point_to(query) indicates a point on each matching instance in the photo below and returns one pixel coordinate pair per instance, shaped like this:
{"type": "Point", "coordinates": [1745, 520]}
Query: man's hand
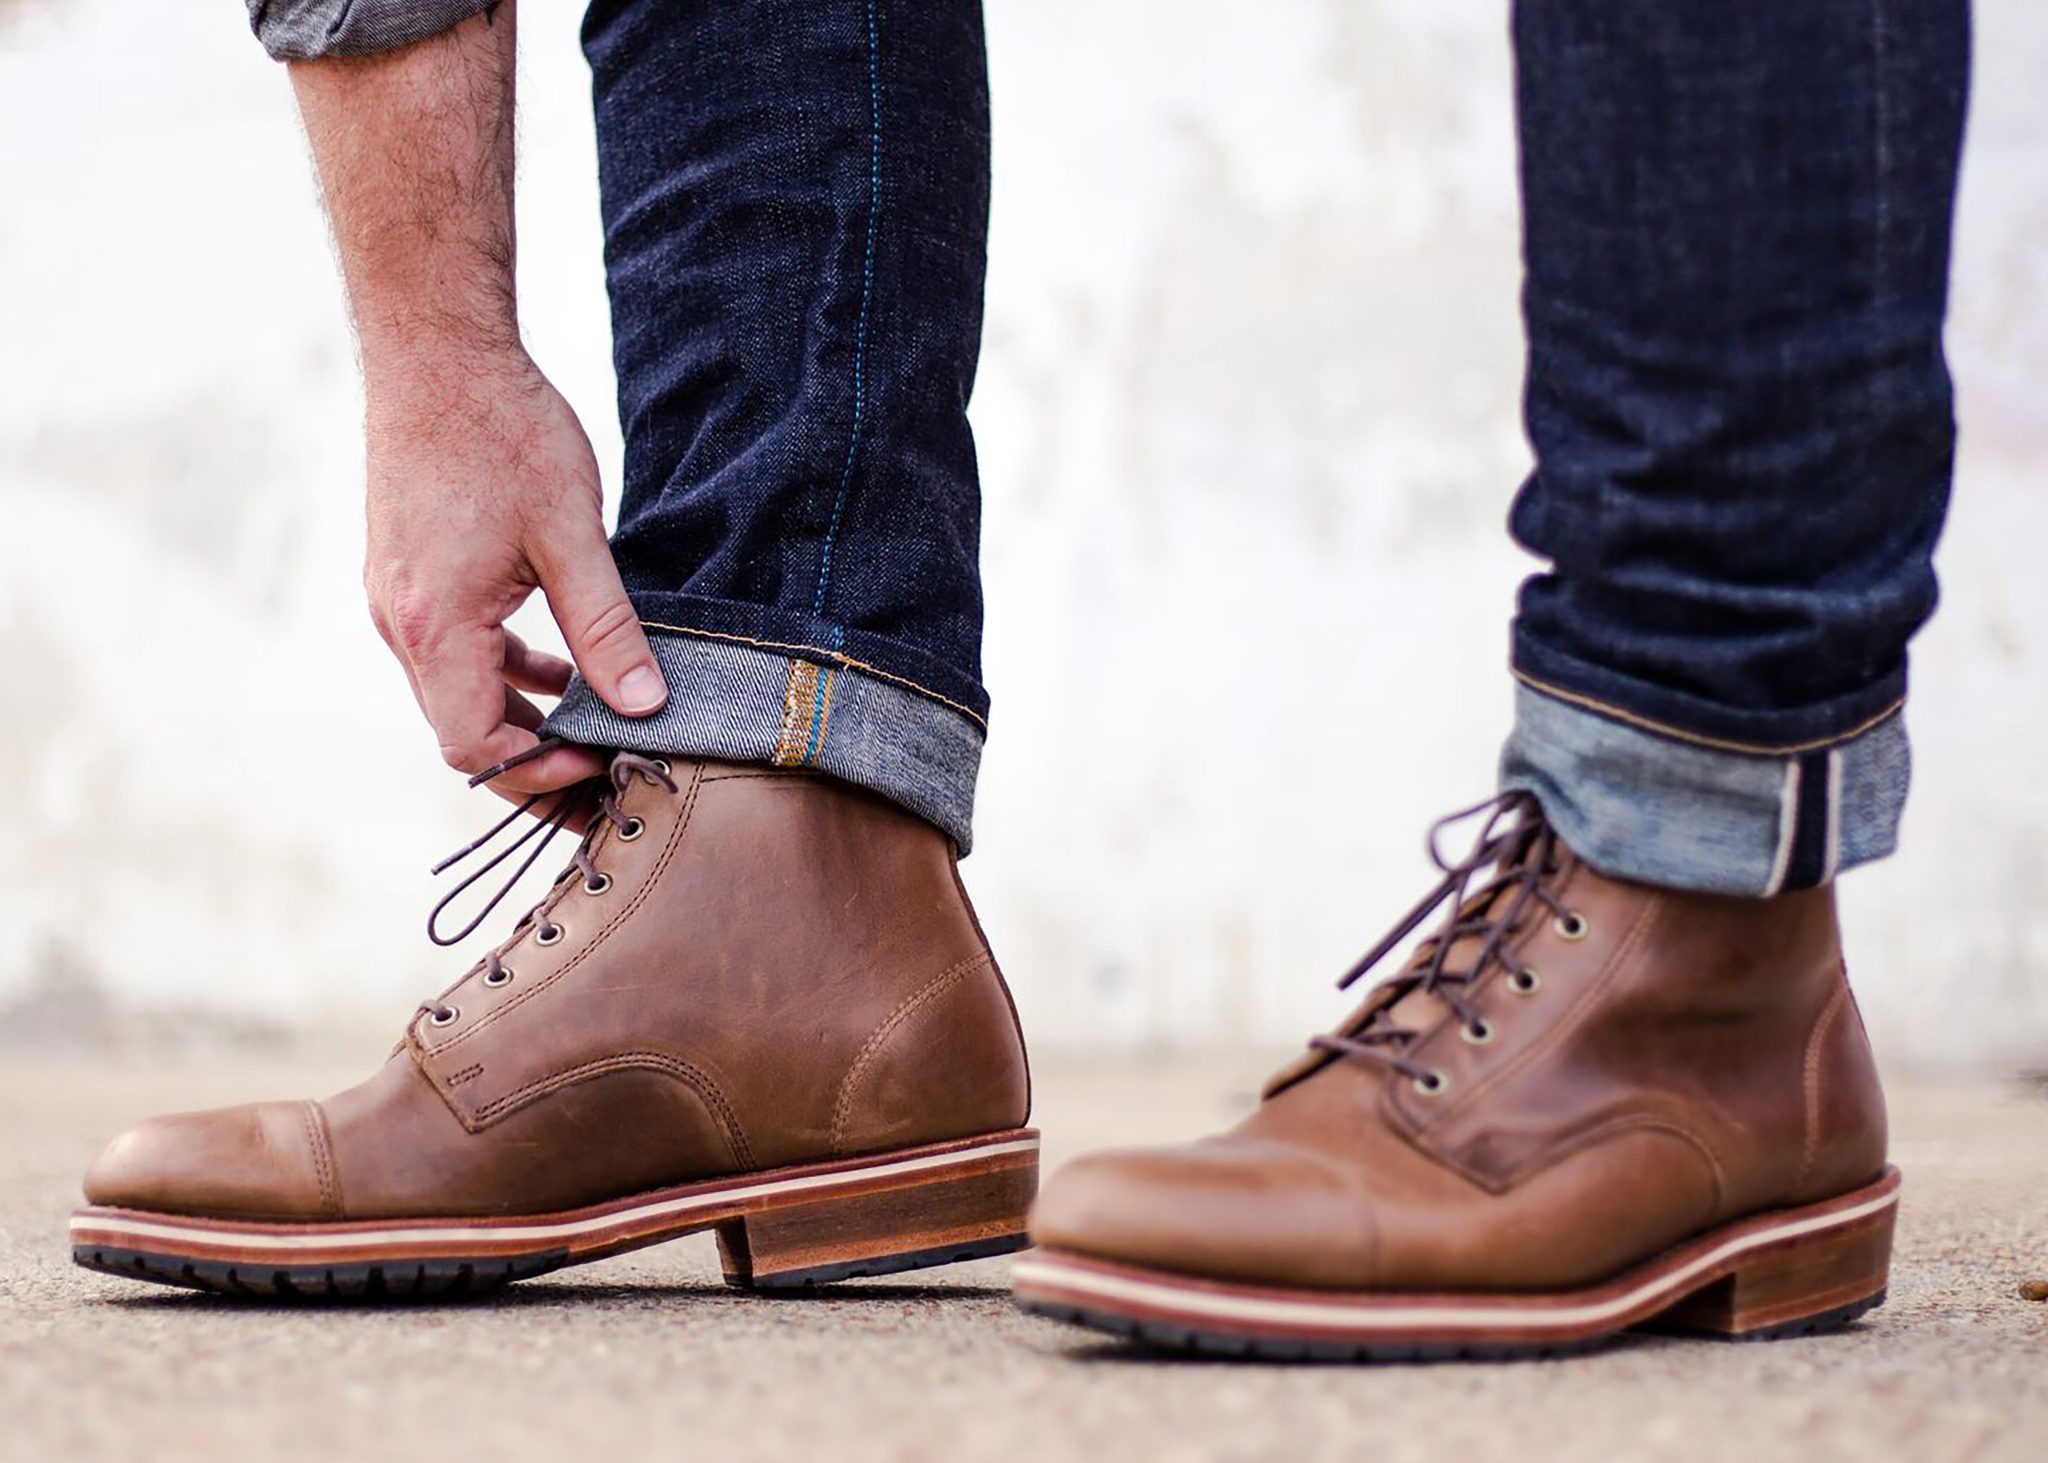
{"type": "Point", "coordinates": [474, 502]}
{"type": "Point", "coordinates": [482, 486]}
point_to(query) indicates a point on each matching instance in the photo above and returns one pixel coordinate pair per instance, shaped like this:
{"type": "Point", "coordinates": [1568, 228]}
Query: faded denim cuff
{"type": "Point", "coordinates": [748, 704]}
{"type": "Point", "coordinates": [1654, 807]}
{"type": "Point", "coordinates": [305, 30]}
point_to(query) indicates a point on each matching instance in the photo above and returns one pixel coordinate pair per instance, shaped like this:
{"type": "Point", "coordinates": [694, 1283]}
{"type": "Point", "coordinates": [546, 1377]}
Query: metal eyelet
{"type": "Point", "coordinates": [443, 1017]}
{"type": "Point", "coordinates": [598, 885]}
{"type": "Point", "coordinates": [1479, 1033]}
{"type": "Point", "coordinates": [1432, 1084]}
{"type": "Point", "coordinates": [549, 934]}
{"type": "Point", "coordinates": [500, 977]}
{"type": "Point", "coordinates": [631, 830]}
{"type": "Point", "coordinates": [1572, 926]}
{"type": "Point", "coordinates": [662, 763]}
{"type": "Point", "coordinates": [1525, 982]}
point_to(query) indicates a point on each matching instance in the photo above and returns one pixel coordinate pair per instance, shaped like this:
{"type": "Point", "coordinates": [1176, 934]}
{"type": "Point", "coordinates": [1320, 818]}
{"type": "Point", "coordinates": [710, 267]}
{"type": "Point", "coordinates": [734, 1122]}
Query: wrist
{"type": "Point", "coordinates": [430, 376]}
{"type": "Point", "coordinates": [404, 344]}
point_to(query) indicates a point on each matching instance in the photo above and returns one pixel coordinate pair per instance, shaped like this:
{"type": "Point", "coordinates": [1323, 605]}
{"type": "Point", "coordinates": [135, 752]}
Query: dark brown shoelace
{"type": "Point", "coordinates": [1516, 842]}
{"type": "Point", "coordinates": [598, 797]}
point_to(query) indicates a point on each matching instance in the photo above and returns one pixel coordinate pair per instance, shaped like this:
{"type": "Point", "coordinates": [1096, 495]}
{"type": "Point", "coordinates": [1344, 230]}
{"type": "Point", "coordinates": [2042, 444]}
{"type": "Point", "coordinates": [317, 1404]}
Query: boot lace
{"type": "Point", "coordinates": [1519, 845]}
{"type": "Point", "coordinates": [596, 799]}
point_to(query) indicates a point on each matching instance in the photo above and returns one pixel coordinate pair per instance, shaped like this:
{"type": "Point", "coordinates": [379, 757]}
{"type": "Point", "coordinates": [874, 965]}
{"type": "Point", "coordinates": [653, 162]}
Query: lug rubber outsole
{"type": "Point", "coordinates": [1160, 1336]}
{"type": "Point", "coordinates": [1183, 1340]}
{"type": "Point", "coordinates": [433, 1280]}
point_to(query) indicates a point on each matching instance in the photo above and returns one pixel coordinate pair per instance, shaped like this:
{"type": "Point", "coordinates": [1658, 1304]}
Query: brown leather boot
{"type": "Point", "coordinates": [1584, 1105]}
{"type": "Point", "coordinates": [757, 1002]}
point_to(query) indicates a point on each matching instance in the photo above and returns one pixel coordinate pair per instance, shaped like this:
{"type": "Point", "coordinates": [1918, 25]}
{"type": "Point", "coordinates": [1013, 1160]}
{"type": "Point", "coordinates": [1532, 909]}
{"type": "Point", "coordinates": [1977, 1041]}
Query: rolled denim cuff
{"type": "Point", "coordinates": [745, 703]}
{"type": "Point", "coordinates": [305, 30]}
{"type": "Point", "coordinates": [1648, 805]}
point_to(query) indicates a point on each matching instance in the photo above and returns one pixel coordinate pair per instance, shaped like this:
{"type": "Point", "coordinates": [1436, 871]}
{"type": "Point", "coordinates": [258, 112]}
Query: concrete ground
{"type": "Point", "coordinates": [648, 1355]}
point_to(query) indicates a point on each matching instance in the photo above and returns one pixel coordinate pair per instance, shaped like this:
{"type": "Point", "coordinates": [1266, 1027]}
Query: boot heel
{"type": "Point", "coordinates": [1815, 1283]}
{"type": "Point", "coordinates": [966, 1211]}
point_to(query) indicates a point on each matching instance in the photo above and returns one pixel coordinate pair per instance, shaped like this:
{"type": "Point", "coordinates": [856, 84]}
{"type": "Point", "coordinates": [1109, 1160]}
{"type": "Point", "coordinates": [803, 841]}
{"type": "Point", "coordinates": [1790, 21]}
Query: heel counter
{"type": "Point", "coordinates": [946, 1063]}
{"type": "Point", "coordinates": [1021, 1062]}
{"type": "Point", "coordinates": [1847, 1130]}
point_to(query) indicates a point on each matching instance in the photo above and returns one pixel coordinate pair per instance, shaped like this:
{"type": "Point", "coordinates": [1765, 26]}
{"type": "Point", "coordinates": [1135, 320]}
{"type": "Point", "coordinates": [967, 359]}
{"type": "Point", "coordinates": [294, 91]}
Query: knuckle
{"type": "Point", "coordinates": [462, 759]}
{"type": "Point", "coordinates": [618, 624]}
{"type": "Point", "coordinates": [412, 621]}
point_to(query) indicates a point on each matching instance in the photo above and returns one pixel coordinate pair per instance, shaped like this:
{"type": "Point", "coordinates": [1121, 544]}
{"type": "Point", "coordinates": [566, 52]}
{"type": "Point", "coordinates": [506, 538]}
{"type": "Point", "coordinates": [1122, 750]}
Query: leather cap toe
{"type": "Point", "coordinates": [259, 1161]}
{"type": "Point", "coordinates": [1235, 1208]}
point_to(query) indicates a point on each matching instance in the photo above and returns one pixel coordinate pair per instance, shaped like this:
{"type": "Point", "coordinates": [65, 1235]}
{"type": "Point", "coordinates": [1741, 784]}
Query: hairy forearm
{"type": "Point", "coordinates": [414, 150]}
{"type": "Point", "coordinates": [480, 484]}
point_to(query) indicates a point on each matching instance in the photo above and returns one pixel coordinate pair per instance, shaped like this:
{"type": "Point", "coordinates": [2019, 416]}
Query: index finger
{"type": "Point", "coordinates": [462, 690]}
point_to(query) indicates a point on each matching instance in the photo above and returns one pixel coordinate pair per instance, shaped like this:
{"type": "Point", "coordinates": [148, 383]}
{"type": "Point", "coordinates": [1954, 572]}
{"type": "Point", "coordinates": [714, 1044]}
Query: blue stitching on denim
{"type": "Point", "coordinates": [867, 283]}
{"type": "Point", "coordinates": [819, 701]}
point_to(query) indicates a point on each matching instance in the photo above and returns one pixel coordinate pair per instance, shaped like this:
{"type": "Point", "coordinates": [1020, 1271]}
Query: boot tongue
{"type": "Point", "coordinates": [1422, 1009]}
{"type": "Point", "coordinates": [1419, 1009]}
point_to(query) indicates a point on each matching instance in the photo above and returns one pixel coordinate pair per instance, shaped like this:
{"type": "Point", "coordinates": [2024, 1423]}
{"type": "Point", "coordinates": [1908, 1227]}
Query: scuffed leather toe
{"type": "Point", "coordinates": [265, 1160]}
{"type": "Point", "coordinates": [1233, 1208]}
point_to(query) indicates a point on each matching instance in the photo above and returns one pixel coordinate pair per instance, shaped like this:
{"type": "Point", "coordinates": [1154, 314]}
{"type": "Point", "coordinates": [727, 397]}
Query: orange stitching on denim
{"type": "Point", "coordinates": [799, 707]}
{"type": "Point", "coordinates": [1629, 718]}
{"type": "Point", "coordinates": [830, 657]}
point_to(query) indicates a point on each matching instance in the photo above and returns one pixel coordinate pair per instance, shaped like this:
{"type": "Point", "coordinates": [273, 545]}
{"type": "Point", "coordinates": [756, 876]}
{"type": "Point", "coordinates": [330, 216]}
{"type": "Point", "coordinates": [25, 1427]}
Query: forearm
{"type": "Point", "coordinates": [480, 483]}
{"type": "Point", "coordinates": [414, 149]}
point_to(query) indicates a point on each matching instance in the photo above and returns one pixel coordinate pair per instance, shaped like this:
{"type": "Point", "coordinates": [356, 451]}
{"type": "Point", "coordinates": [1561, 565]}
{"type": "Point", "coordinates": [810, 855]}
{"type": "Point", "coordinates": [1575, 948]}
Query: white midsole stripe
{"type": "Point", "coordinates": [566, 1229]}
{"type": "Point", "coordinates": [1053, 1273]}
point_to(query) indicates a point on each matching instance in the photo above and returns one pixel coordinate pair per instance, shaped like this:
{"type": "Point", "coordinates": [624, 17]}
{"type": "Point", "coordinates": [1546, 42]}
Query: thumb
{"type": "Point", "coordinates": [589, 603]}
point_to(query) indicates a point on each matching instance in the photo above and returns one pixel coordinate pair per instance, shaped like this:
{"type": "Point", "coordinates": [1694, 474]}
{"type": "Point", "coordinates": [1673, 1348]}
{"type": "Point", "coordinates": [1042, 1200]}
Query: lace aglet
{"type": "Point", "coordinates": [540, 749]}
{"type": "Point", "coordinates": [456, 857]}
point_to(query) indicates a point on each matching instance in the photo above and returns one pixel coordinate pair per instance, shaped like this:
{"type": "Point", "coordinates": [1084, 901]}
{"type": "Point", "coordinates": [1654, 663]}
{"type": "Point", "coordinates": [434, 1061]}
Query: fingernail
{"type": "Point", "coordinates": [641, 691]}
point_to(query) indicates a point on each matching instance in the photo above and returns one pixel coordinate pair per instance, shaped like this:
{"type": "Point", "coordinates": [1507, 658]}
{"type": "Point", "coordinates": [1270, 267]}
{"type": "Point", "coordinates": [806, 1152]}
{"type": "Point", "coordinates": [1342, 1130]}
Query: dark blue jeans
{"type": "Point", "coordinates": [796, 211]}
{"type": "Point", "coordinates": [1737, 228]}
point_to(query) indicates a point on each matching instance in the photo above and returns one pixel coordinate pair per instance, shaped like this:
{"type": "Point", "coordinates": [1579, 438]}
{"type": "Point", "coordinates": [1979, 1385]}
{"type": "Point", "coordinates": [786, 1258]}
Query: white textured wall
{"type": "Point", "coordinates": [1247, 423]}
